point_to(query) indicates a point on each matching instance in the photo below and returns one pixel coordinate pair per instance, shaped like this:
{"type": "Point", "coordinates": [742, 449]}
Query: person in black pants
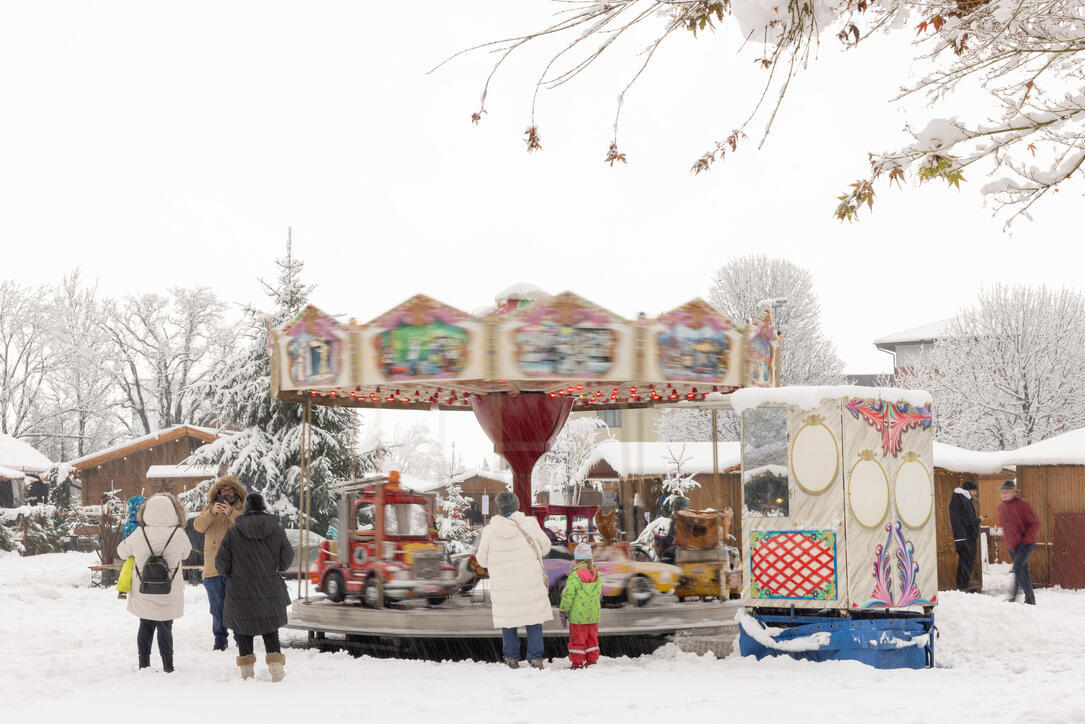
{"type": "Point", "coordinates": [253, 554]}
{"type": "Point", "coordinates": [966, 531]}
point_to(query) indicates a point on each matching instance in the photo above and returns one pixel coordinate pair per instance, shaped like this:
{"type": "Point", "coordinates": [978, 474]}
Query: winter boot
{"type": "Point", "coordinates": [246, 663]}
{"type": "Point", "coordinates": [537, 664]}
{"type": "Point", "coordinates": [144, 661]}
{"type": "Point", "coordinates": [167, 663]}
{"type": "Point", "coordinates": [512, 663]}
{"type": "Point", "coordinates": [275, 664]}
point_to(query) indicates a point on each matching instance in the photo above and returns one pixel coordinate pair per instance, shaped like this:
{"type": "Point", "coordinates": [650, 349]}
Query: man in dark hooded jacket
{"type": "Point", "coordinates": [253, 554]}
{"type": "Point", "coordinates": [966, 531]}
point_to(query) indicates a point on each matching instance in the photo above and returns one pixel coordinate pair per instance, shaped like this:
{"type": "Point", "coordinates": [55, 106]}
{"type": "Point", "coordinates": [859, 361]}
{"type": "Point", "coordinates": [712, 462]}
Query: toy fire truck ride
{"type": "Point", "coordinates": [388, 549]}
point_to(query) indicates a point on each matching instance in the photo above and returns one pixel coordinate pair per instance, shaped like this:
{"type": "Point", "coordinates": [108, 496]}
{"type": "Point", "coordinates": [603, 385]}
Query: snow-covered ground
{"type": "Point", "coordinates": [68, 653]}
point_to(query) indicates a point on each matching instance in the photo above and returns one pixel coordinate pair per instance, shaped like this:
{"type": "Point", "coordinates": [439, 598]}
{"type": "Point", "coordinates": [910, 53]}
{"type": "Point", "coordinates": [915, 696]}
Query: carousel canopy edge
{"type": "Point", "coordinates": [425, 353]}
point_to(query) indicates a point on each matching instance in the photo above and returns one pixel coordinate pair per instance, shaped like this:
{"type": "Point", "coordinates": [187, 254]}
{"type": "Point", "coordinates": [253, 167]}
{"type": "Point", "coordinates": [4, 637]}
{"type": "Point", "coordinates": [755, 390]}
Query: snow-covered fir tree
{"type": "Point", "coordinates": [452, 524]}
{"type": "Point", "coordinates": [265, 452]}
{"type": "Point", "coordinates": [679, 480]}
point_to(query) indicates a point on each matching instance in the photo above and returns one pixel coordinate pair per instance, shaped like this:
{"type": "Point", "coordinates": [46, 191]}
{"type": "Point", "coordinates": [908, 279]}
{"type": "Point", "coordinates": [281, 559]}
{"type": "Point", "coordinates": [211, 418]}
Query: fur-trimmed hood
{"type": "Point", "coordinates": [228, 481]}
{"type": "Point", "coordinates": [155, 513]}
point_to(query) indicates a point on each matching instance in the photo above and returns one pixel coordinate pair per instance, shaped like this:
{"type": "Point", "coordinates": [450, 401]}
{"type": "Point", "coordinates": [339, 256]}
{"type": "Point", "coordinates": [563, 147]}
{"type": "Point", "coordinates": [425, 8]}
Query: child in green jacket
{"type": "Point", "coordinates": [580, 608]}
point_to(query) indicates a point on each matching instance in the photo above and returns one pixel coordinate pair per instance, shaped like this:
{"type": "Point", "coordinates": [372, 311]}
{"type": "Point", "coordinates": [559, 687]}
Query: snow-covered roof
{"type": "Point", "coordinates": [923, 333]}
{"type": "Point", "coordinates": [809, 397]}
{"type": "Point", "coordinates": [17, 455]}
{"type": "Point", "coordinates": [420, 485]}
{"type": "Point", "coordinates": [500, 476]}
{"type": "Point", "coordinates": [1065, 449]}
{"type": "Point", "coordinates": [100, 456]}
{"type": "Point", "coordinates": [182, 471]}
{"type": "Point", "coordinates": [959, 460]}
{"type": "Point", "coordinates": [654, 458]}
{"type": "Point", "coordinates": [11, 474]}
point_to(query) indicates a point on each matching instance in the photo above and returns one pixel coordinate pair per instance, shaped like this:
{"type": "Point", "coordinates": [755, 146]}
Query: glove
{"type": "Point", "coordinates": [564, 619]}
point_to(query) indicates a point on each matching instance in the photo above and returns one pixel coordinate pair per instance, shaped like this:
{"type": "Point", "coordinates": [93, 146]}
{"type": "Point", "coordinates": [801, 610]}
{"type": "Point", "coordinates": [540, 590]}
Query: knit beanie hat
{"type": "Point", "coordinates": [582, 552]}
{"type": "Point", "coordinates": [507, 503]}
{"type": "Point", "coordinates": [254, 502]}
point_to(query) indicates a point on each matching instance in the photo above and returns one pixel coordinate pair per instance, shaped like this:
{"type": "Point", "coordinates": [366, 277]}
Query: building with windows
{"type": "Point", "coordinates": [909, 345]}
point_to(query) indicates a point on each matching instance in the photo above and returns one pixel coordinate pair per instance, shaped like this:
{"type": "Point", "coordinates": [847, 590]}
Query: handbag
{"type": "Point", "coordinates": [533, 547]}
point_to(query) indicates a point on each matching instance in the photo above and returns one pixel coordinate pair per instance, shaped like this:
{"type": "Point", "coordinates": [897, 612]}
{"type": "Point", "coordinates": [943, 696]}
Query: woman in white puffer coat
{"type": "Point", "coordinates": [511, 549]}
{"type": "Point", "coordinates": [161, 532]}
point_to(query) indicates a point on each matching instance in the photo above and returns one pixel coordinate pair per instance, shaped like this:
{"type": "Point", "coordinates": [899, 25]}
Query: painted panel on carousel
{"type": "Point", "coordinates": [815, 450]}
{"type": "Point", "coordinates": [891, 554]}
{"type": "Point", "coordinates": [913, 505]}
{"type": "Point", "coordinates": [913, 491]}
{"type": "Point", "coordinates": [314, 352]}
{"type": "Point", "coordinates": [565, 337]}
{"type": "Point", "coordinates": [695, 343]}
{"type": "Point", "coordinates": [793, 565]}
{"type": "Point", "coordinates": [762, 352]}
{"type": "Point", "coordinates": [422, 339]}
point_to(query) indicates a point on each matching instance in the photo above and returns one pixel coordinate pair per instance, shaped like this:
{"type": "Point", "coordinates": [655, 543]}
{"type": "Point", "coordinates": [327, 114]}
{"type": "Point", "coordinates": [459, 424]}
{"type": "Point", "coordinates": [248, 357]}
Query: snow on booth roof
{"type": "Point", "coordinates": [658, 458]}
{"type": "Point", "coordinates": [17, 455]}
{"type": "Point", "coordinates": [182, 471]}
{"type": "Point", "coordinates": [959, 460]}
{"type": "Point", "coordinates": [1065, 449]}
{"type": "Point", "coordinates": [809, 397]}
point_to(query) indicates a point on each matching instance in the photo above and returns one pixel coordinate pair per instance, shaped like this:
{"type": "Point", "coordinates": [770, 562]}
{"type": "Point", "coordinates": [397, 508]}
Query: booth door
{"type": "Point", "coordinates": [1067, 562]}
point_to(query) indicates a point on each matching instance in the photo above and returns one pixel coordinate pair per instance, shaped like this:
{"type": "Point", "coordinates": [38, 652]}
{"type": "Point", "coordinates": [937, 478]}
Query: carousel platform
{"type": "Point", "coordinates": [473, 620]}
{"type": "Point", "coordinates": [464, 629]}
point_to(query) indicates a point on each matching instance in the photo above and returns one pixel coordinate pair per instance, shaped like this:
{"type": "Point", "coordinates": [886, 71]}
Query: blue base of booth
{"type": "Point", "coordinates": [884, 643]}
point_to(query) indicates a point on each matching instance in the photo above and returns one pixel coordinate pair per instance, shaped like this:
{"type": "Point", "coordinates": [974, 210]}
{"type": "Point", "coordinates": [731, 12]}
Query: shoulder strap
{"type": "Point", "coordinates": [530, 543]}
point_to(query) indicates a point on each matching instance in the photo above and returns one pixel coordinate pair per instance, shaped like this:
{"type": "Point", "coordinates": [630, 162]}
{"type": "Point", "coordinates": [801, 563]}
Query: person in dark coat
{"type": "Point", "coordinates": [253, 554]}
{"type": "Point", "coordinates": [1019, 528]}
{"type": "Point", "coordinates": [966, 531]}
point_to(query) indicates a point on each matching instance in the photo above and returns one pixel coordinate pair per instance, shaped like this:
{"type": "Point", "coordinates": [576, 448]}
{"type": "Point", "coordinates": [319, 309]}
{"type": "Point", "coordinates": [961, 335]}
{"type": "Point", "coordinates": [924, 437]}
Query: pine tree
{"type": "Point", "coordinates": [265, 452]}
{"type": "Point", "coordinates": [8, 541]}
{"type": "Point", "coordinates": [452, 524]}
{"type": "Point", "coordinates": [678, 481]}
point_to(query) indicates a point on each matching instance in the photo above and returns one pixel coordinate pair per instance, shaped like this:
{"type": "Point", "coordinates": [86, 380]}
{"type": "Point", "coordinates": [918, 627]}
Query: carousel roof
{"type": "Point", "coordinates": [423, 353]}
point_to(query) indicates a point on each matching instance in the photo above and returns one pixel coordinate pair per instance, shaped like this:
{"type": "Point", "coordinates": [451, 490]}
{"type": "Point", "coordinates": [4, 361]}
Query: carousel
{"type": "Point", "coordinates": [521, 367]}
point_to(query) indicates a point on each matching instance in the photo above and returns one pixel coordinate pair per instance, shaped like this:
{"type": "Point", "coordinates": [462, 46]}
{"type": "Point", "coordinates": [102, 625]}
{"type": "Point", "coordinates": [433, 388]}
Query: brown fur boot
{"type": "Point", "coordinates": [275, 664]}
{"type": "Point", "coordinates": [246, 663]}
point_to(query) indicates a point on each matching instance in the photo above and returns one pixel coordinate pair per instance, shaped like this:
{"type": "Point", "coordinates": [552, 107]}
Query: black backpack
{"type": "Point", "coordinates": [156, 577]}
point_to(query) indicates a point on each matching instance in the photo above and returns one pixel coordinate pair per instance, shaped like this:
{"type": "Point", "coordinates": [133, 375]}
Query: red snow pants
{"type": "Point", "coordinates": [583, 643]}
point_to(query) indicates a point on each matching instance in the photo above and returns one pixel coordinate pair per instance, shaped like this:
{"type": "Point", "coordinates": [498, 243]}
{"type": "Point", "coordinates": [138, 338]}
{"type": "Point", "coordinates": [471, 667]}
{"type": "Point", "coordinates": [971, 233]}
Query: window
{"type": "Point", "coordinates": [613, 418]}
{"type": "Point", "coordinates": [764, 462]}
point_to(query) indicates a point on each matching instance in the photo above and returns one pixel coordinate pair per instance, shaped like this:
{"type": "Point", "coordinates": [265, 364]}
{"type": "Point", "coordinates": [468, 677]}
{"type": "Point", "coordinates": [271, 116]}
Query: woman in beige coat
{"type": "Point", "coordinates": [161, 532]}
{"type": "Point", "coordinates": [511, 550]}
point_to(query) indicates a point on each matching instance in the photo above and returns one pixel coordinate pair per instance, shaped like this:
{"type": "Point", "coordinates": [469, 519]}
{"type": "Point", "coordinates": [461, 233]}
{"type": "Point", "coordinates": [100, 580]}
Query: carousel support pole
{"type": "Point", "coordinates": [715, 454]}
{"type": "Point", "coordinates": [304, 465]}
{"type": "Point", "coordinates": [308, 483]}
{"type": "Point", "coordinates": [521, 426]}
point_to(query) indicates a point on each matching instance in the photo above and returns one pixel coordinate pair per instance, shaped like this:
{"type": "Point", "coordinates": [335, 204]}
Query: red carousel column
{"type": "Point", "coordinates": [522, 427]}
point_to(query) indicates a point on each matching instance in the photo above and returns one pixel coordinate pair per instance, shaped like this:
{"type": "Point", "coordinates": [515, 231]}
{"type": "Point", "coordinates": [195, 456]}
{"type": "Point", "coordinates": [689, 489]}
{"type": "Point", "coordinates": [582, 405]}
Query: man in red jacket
{"type": "Point", "coordinates": [1019, 528]}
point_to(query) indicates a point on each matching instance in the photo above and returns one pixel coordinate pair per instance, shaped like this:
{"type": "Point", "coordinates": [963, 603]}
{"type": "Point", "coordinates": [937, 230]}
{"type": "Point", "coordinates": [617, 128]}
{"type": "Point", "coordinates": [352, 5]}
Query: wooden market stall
{"type": "Point", "coordinates": [1051, 476]}
{"type": "Point", "coordinates": [952, 467]}
{"type": "Point", "coordinates": [635, 471]}
{"type": "Point", "coordinates": [124, 466]}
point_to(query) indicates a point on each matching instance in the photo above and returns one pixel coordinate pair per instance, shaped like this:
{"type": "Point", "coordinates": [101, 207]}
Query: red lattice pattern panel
{"type": "Point", "coordinates": [792, 565]}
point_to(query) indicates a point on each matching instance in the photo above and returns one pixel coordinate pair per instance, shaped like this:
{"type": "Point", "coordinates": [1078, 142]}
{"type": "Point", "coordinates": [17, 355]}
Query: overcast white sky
{"type": "Point", "coordinates": [156, 144]}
